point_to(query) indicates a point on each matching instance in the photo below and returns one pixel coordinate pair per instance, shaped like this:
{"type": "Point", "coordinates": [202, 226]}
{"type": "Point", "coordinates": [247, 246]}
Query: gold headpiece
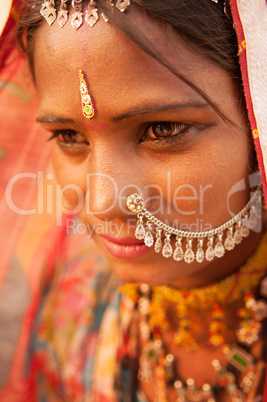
{"type": "Point", "coordinates": [88, 108]}
{"type": "Point", "coordinates": [89, 15]}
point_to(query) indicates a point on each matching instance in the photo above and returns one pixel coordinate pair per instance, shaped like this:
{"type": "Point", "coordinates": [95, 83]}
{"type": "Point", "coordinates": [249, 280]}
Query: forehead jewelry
{"type": "Point", "coordinates": [77, 16]}
{"type": "Point", "coordinates": [86, 100]}
{"type": "Point", "coordinates": [235, 228]}
{"type": "Point", "coordinates": [91, 14]}
{"type": "Point", "coordinates": [49, 11]}
{"type": "Point", "coordinates": [62, 16]}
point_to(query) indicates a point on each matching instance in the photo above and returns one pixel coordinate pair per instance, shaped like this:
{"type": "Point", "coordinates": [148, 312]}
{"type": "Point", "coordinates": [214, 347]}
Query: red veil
{"type": "Point", "coordinates": [29, 241]}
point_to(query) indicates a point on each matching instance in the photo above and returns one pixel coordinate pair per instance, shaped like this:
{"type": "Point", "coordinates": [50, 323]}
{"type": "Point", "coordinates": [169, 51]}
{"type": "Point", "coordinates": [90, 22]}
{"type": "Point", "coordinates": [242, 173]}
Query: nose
{"type": "Point", "coordinates": [111, 179]}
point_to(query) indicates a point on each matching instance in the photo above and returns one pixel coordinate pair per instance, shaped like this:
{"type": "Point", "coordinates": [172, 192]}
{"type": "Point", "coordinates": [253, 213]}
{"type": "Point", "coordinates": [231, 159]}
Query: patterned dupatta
{"type": "Point", "coordinates": [30, 244]}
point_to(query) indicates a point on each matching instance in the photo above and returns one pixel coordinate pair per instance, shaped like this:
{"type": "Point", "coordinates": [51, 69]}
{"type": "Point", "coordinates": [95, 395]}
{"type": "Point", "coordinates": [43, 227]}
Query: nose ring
{"type": "Point", "coordinates": [226, 236]}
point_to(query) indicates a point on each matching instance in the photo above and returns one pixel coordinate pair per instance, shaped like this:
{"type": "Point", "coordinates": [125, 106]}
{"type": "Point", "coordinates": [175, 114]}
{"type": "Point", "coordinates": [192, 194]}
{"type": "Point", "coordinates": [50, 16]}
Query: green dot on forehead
{"type": "Point", "coordinates": [88, 109]}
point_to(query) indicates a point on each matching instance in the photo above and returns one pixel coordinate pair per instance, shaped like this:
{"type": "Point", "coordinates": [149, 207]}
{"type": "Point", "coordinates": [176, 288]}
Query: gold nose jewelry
{"type": "Point", "coordinates": [228, 235]}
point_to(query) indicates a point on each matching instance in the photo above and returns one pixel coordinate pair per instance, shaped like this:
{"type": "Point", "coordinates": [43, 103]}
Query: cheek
{"type": "Point", "coordinates": [198, 184]}
{"type": "Point", "coordinates": [71, 179]}
{"type": "Point", "coordinates": [185, 186]}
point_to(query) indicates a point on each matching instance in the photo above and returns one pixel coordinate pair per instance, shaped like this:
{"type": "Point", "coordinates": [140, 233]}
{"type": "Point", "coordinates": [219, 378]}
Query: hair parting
{"type": "Point", "coordinates": [202, 24]}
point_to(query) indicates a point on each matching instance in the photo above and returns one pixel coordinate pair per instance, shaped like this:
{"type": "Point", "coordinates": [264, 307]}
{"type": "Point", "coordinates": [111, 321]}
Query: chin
{"type": "Point", "coordinates": [150, 274]}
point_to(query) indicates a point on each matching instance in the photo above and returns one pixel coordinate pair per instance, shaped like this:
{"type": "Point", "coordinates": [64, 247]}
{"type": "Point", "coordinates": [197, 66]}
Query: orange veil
{"type": "Point", "coordinates": [30, 241]}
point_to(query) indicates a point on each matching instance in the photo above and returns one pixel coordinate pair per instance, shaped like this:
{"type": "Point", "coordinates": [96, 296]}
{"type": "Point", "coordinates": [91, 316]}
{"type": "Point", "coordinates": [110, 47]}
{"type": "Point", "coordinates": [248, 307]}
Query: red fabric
{"type": "Point", "coordinates": [28, 244]}
{"type": "Point", "coordinates": [8, 38]}
{"type": "Point", "coordinates": [253, 123]}
{"type": "Point", "coordinates": [26, 151]}
{"type": "Point", "coordinates": [244, 71]}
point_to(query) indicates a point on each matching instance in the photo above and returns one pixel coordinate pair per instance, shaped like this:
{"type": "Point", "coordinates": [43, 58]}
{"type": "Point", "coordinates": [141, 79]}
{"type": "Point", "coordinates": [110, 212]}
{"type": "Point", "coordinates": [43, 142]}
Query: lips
{"type": "Point", "coordinates": [125, 247]}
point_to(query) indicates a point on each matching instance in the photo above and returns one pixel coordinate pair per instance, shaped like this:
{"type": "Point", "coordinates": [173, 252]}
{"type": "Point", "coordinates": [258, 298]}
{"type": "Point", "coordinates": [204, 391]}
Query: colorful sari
{"type": "Point", "coordinates": [78, 349]}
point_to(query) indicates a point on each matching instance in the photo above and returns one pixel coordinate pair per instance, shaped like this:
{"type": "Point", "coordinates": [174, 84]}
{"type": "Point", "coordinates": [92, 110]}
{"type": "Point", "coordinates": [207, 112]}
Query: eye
{"type": "Point", "coordinates": [165, 130]}
{"type": "Point", "coordinates": [71, 142]}
{"type": "Point", "coordinates": [69, 137]}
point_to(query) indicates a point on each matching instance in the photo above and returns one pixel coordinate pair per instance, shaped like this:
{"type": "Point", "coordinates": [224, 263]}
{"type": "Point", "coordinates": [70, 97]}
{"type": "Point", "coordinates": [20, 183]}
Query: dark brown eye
{"type": "Point", "coordinates": [69, 137]}
{"type": "Point", "coordinates": [165, 130]}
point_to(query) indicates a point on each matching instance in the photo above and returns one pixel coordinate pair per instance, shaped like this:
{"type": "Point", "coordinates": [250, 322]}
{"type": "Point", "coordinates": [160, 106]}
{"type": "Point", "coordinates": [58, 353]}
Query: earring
{"type": "Point", "coordinates": [48, 11]}
{"type": "Point", "coordinates": [62, 16]}
{"type": "Point", "coordinates": [91, 14]}
{"type": "Point", "coordinates": [77, 18]}
{"type": "Point", "coordinates": [87, 104]}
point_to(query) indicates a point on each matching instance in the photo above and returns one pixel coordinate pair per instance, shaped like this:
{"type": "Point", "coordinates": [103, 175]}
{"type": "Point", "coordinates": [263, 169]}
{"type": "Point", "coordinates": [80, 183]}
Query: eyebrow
{"type": "Point", "coordinates": [54, 119]}
{"type": "Point", "coordinates": [130, 113]}
{"type": "Point", "coordinates": [158, 108]}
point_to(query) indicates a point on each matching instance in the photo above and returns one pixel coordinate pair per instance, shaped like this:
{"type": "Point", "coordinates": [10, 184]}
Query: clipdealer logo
{"type": "Point", "coordinates": [171, 200]}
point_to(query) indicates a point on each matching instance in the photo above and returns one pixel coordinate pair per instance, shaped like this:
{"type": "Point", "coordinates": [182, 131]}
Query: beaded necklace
{"type": "Point", "coordinates": [155, 363]}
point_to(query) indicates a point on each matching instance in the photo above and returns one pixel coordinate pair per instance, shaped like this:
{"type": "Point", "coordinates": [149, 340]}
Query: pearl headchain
{"type": "Point", "coordinates": [237, 228]}
{"type": "Point", "coordinates": [90, 15]}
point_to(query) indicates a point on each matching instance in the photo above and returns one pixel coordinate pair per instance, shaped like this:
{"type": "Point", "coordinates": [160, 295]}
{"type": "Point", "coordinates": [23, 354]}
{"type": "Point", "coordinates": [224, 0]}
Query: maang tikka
{"type": "Point", "coordinates": [88, 108]}
{"type": "Point", "coordinates": [236, 229]}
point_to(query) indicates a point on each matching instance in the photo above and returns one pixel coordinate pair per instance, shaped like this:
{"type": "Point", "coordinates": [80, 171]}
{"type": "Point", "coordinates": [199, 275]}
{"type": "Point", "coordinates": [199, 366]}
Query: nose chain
{"type": "Point", "coordinates": [227, 235]}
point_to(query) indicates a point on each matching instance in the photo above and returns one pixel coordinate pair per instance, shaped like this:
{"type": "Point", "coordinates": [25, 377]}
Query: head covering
{"type": "Point", "coordinates": [4, 15]}
{"type": "Point", "coordinates": [30, 243]}
{"type": "Point", "coordinates": [250, 22]}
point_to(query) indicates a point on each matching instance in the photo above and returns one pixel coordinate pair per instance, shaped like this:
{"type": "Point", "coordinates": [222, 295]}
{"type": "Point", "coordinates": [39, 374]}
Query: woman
{"type": "Point", "coordinates": [144, 100]}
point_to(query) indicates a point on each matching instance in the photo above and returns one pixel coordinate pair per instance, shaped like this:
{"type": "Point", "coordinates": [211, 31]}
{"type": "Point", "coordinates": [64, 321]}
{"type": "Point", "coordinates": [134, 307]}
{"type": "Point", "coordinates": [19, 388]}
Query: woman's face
{"type": "Point", "coordinates": [151, 133]}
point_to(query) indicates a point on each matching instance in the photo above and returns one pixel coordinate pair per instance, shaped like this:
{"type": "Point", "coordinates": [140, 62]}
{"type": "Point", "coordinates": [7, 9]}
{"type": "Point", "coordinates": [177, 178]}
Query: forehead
{"type": "Point", "coordinates": [117, 69]}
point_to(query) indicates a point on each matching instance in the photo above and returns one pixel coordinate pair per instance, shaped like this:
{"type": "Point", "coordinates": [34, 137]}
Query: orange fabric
{"type": "Point", "coordinates": [28, 243]}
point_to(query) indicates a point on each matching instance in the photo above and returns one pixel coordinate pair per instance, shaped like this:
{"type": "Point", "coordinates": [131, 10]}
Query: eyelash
{"type": "Point", "coordinates": [180, 128]}
{"type": "Point", "coordinates": [58, 133]}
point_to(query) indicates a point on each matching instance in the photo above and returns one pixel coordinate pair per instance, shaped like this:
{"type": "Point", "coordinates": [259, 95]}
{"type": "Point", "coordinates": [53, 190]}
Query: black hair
{"type": "Point", "coordinates": [206, 25]}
